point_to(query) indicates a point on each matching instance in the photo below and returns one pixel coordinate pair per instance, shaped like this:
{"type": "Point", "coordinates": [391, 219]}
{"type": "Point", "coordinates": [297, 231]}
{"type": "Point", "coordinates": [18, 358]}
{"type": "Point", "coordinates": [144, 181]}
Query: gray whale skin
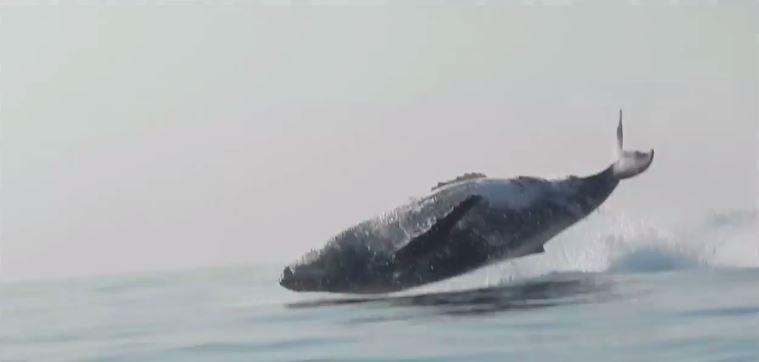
{"type": "Point", "coordinates": [462, 225]}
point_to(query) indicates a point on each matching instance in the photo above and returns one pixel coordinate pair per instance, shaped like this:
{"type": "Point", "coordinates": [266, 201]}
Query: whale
{"type": "Point", "coordinates": [461, 225]}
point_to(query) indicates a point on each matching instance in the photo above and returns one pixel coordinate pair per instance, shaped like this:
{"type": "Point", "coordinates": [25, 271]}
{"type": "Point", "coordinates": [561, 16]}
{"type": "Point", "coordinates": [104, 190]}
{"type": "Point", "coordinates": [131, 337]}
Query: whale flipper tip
{"type": "Point", "coordinates": [629, 163]}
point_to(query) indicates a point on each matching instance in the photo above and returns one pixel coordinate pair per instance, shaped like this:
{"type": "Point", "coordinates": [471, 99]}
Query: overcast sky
{"type": "Point", "coordinates": [144, 137]}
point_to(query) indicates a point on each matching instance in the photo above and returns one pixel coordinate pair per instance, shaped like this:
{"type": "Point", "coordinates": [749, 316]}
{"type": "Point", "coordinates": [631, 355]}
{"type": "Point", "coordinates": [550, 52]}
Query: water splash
{"type": "Point", "coordinates": [729, 239]}
{"type": "Point", "coordinates": [613, 242]}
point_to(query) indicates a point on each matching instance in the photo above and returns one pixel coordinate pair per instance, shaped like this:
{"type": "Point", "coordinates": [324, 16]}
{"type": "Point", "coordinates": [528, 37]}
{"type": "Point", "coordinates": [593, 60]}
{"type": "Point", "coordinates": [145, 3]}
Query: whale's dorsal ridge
{"type": "Point", "coordinates": [464, 177]}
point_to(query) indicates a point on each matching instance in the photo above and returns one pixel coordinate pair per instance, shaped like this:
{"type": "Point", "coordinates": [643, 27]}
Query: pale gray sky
{"type": "Point", "coordinates": [149, 137]}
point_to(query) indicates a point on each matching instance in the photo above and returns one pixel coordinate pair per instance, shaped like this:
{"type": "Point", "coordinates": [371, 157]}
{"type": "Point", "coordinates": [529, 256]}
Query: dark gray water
{"type": "Point", "coordinates": [609, 290]}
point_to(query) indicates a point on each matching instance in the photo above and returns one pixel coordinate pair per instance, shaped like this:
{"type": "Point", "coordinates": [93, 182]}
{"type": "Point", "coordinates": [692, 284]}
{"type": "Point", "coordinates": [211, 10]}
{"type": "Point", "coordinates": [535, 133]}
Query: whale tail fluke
{"type": "Point", "coordinates": [629, 163]}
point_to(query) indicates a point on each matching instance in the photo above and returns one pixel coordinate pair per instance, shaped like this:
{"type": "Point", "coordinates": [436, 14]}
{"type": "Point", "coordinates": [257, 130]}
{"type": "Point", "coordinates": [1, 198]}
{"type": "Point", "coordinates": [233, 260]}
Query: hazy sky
{"type": "Point", "coordinates": [155, 137]}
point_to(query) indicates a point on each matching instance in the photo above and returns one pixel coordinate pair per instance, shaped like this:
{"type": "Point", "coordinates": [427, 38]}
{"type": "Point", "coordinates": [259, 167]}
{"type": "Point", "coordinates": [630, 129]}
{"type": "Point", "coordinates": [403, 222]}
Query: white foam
{"type": "Point", "coordinates": [608, 241]}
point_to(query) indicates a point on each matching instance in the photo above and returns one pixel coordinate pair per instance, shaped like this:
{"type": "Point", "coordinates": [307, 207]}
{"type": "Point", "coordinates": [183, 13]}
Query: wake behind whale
{"type": "Point", "coordinates": [464, 224]}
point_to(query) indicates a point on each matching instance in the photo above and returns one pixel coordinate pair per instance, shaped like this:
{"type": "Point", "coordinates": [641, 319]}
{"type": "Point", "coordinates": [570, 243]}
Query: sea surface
{"type": "Point", "coordinates": [608, 289]}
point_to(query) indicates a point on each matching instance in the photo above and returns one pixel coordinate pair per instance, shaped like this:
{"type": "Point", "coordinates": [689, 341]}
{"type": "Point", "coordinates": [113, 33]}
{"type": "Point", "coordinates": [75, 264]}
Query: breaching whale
{"type": "Point", "coordinates": [462, 225]}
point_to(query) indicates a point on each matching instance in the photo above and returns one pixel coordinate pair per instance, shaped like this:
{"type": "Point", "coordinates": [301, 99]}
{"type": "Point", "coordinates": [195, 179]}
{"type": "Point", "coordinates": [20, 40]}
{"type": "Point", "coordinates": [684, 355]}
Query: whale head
{"type": "Point", "coordinates": [307, 274]}
{"type": "Point", "coordinates": [302, 278]}
{"type": "Point", "coordinates": [345, 264]}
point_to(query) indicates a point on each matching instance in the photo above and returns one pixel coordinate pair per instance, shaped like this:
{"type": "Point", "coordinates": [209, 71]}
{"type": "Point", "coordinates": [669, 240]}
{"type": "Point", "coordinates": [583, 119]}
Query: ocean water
{"type": "Point", "coordinates": [608, 289]}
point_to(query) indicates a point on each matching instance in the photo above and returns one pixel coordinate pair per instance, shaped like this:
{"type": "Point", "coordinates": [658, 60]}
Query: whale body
{"type": "Point", "coordinates": [461, 225]}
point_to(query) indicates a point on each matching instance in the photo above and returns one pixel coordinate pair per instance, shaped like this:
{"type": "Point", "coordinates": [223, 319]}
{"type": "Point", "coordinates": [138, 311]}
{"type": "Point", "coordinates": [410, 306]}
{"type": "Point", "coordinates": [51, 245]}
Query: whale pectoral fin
{"type": "Point", "coordinates": [539, 250]}
{"type": "Point", "coordinates": [438, 233]}
{"type": "Point", "coordinates": [629, 163]}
